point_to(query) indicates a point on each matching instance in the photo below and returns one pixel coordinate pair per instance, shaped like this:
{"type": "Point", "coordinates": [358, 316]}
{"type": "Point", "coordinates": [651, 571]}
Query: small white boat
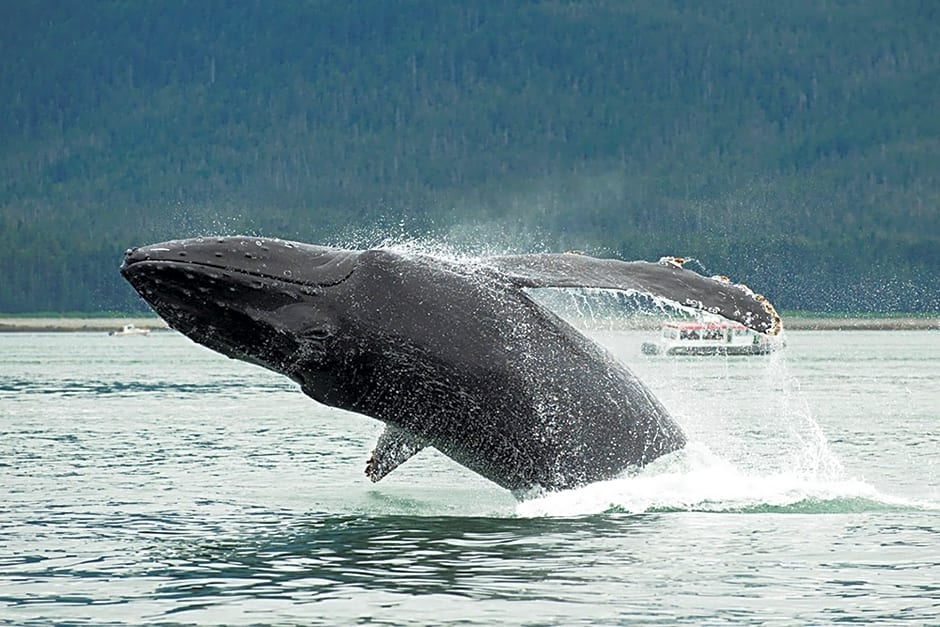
{"type": "Point", "coordinates": [130, 329]}
{"type": "Point", "coordinates": [711, 338]}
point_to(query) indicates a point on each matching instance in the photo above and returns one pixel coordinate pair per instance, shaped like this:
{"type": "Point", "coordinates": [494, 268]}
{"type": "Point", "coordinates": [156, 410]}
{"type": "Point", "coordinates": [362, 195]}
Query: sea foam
{"type": "Point", "coordinates": [696, 479]}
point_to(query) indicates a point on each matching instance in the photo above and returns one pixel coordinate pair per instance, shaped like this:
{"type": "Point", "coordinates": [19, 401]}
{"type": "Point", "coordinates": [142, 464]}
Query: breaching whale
{"type": "Point", "coordinates": [455, 356]}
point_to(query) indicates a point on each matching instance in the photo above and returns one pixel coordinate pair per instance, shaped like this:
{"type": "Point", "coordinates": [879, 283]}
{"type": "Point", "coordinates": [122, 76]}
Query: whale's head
{"type": "Point", "coordinates": [265, 301]}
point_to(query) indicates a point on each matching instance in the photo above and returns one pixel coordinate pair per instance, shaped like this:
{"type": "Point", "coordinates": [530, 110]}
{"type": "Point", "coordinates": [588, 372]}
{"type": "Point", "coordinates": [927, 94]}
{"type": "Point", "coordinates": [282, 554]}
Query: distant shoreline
{"type": "Point", "coordinates": [861, 324]}
{"type": "Point", "coordinates": [62, 325]}
{"type": "Point", "coordinates": [796, 323]}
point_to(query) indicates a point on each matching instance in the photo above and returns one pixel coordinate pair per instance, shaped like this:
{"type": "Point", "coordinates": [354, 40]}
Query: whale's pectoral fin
{"type": "Point", "coordinates": [394, 447]}
{"type": "Point", "coordinates": [666, 280]}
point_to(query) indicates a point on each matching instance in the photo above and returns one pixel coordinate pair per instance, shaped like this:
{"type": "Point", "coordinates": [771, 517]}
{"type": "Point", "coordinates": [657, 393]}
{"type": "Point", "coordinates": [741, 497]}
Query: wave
{"type": "Point", "coordinates": [697, 480]}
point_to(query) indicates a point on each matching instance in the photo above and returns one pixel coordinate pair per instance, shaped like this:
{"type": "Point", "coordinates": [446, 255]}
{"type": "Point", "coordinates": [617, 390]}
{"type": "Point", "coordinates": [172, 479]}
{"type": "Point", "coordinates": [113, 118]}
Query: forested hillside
{"type": "Point", "coordinates": [792, 145]}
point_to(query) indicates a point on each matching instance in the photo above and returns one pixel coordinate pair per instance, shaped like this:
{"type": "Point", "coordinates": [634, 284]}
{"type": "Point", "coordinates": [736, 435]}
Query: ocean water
{"type": "Point", "coordinates": [147, 479]}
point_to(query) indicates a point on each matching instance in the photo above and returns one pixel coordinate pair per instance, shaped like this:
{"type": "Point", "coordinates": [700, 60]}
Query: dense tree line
{"type": "Point", "coordinates": [791, 145]}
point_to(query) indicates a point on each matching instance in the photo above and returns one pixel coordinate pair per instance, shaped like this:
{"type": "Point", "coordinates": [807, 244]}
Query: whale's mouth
{"type": "Point", "coordinates": [249, 301]}
{"type": "Point", "coordinates": [220, 258]}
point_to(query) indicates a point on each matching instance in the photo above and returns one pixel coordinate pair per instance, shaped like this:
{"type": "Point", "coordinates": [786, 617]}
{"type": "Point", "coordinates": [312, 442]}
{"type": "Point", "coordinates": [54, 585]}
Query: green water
{"type": "Point", "coordinates": [146, 479]}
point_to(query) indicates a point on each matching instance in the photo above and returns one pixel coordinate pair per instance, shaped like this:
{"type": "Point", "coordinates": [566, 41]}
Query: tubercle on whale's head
{"type": "Point", "coordinates": [294, 262]}
{"type": "Point", "coordinates": [265, 301]}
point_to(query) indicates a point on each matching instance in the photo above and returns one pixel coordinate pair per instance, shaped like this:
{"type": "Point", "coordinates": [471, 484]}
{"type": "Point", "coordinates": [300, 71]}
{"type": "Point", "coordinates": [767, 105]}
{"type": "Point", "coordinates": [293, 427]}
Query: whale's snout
{"type": "Point", "coordinates": [274, 259]}
{"type": "Point", "coordinates": [256, 299]}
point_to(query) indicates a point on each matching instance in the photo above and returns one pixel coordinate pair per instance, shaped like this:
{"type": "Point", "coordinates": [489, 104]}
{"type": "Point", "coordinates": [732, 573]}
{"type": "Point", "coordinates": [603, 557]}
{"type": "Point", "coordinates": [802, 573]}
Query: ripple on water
{"type": "Point", "coordinates": [182, 487]}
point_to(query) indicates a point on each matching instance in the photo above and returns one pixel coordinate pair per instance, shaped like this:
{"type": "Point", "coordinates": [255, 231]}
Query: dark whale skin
{"type": "Point", "coordinates": [451, 355]}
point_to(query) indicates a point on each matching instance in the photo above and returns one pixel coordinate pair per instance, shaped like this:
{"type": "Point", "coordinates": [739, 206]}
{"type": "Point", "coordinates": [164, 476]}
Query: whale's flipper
{"type": "Point", "coordinates": [394, 447]}
{"type": "Point", "coordinates": [666, 280]}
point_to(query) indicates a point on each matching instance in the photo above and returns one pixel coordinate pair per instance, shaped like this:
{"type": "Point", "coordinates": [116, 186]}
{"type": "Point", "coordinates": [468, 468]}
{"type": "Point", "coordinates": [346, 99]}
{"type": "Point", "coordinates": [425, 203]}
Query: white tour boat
{"type": "Point", "coordinates": [130, 329]}
{"type": "Point", "coordinates": [710, 338]}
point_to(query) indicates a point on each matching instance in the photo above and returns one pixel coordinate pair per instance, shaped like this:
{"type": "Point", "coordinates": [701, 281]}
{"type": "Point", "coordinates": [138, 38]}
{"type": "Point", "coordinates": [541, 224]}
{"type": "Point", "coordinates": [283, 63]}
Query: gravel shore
{"type": "Point", "coordinates": [861, 324]}
{"type": "Point", "coordinates": [103, 325]}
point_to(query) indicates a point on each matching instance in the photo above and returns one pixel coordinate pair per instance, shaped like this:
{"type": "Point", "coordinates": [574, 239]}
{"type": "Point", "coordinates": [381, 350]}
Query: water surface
{"type": "Point", "coordinates": [147, 479]}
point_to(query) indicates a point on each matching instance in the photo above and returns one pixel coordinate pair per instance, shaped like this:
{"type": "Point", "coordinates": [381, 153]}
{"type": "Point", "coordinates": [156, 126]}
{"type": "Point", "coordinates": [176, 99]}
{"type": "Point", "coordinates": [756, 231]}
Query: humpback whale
{"type": "Point", "coordinates": [455, 356]}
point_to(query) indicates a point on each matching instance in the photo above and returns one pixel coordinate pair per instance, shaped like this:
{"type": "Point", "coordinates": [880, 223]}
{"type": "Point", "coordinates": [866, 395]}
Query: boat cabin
{"type": "Point", "coordinates": [708, 338]}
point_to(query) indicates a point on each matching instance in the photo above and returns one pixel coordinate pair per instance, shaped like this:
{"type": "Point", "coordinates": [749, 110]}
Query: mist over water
{"type": "Point", "coordinates": [149, 479]}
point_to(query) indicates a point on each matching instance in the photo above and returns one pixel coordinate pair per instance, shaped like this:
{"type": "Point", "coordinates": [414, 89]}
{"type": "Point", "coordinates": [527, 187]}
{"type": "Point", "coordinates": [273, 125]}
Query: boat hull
{"type": "Point", "coordinates": [650, 348]}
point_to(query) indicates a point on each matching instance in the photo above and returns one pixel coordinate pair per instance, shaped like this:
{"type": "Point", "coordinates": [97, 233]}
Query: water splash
{"type": "Point", "coordinates": [755, 447]}
{"type": "Point", "coordinates": [696, 479]}
{"type": "Point", "coordinates": [405, 243]}
{"type": "Point", "coordinates": [595, 308]}
{"type": "Point", "coordinates": [464, 243]}
{"type": "Point", "coordinates": [810, 454]}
